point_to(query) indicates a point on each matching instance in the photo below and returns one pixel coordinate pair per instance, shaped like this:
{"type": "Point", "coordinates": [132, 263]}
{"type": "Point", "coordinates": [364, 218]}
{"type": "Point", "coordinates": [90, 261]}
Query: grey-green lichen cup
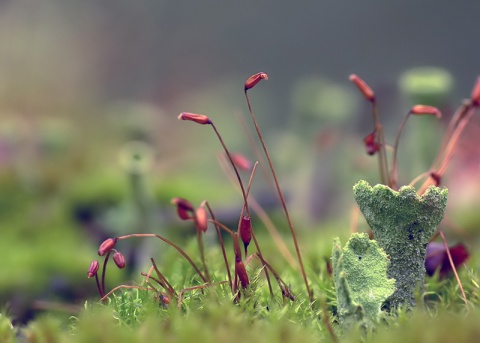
{"type": "Point", "coordinates": [361, 283]}
{"type": "Point", "coordinates": [403, 223]}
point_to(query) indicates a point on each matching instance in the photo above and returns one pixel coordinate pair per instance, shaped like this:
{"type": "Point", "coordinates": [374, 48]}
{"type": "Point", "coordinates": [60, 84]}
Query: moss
{"type": "Point", "coordinates": [403, 223]}
{"type": "Point", "coordinates": [7, 331]}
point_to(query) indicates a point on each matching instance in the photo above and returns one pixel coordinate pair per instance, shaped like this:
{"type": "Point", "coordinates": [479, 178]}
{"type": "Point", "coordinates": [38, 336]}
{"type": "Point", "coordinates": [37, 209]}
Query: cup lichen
{"type": "Point", "coordinates": [361, 283]}
{"type": "Point", "coordinates": [403, 223]}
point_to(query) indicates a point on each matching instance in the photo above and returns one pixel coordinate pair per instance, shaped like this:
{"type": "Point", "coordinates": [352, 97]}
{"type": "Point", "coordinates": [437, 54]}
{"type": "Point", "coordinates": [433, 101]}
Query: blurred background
{"type": "Point", "coordinates": [90, 144]}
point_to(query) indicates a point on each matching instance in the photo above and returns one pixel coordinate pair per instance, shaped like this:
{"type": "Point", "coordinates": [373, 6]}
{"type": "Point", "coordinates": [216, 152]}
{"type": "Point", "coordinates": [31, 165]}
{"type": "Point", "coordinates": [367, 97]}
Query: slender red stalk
{"type": "Point", "coordinates": [326, 320]}
{"type": "Point", "coordinates": [379, 137]}
{"type": "Point", "coordinates": [232, 162]}
{"type": "Point", "coordinates": [282, 198]}
{"type": "Point", "coordinates": [100, 291]}
{"type": "Point", "coordinates": [382, 153]}
{"type": "Point", "coordinates": [222, 245]}
{"type": "Point", "coordinates": [148, 277]}
{"type": "Point", "coordinates": [267, 222]}
{"type": "Point", "coordinates": [201, 224]}
{"type": "Point", "coordinates": [415, 110]}
{"type": "Point", "coordinates": [244, 194]}
{"type": "Point", "coordinates": [281, 284]}
{"type": "Point", "coordinates": [455, 129]}
{"type": "Point", "coordinates": [93, 271]}
{"type": "Point", "coordinates": [104, 270]}
{"type": "Point", "coordinates": [378, 142]}
{"type": "Point", "coordinates": [453, 267]}
{"type": "Point", "coordinates": [202, 119]}
{"type": "Point", "coordinates": [172, 245]}
{"type": "Point", "coordinates": [160, 275]}
{"type": "Point", "coordinates": [475, 97]}
{"type": "Point", "coordinates": [252, 232]}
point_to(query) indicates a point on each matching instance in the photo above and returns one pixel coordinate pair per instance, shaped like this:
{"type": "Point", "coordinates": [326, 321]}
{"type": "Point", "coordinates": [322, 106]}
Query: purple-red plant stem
{"type": "Point", "coordinates": [202, 249]}
{"type": "Point", "coordinates": [445, 154]}
{"type": "Point", "coordinates": [452, 125]}
{"type": "Point", "coordinates": [223, 227]}
{"type": "Point", "coordinates": [249, 185]}
{"type": "Point", "coordinates": [382, 153]}
{"type": "Point", "coordinates": [454, 139]}
{"type": "Point", "coordinates": [326, 320]}
{"type": "Point", "coordinates": [222, 245]}
{"type": "Point", "coordinates": [257, 246]}
{"type": "Point", "coordinates": [453, 267]}
{"type": "Point", "coordinates": [236, 248]}
{"type": "Point", "coordinates": [394, 179]}
{"type": "Point", "coordinates": [141, 235]}
{"type": "Point", "coordinates": [263, 262]}
{"type": "Point", "coordinates": [243, 192]}
{"type": "Point", "coordinates": [269, 225]}
{"type": "Point", "coordinates": [231, 162]}
{"type": "Point", "coordinates": [256, 151]}
{"type": "Point", "coordinates": [161, 276]}
{"type": "Point", "coordinates": [280, 282]}
{"type": "Point", "coordinates": [104, 269]}
{"type": "Point", "coordinates": [149, 277]}
{"type": "Point", "coordinates": [418, 178]}
{"type": "Point", "coordinates": [282, 199]}
{"type": "Point", "coordinates": [98, 286]}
